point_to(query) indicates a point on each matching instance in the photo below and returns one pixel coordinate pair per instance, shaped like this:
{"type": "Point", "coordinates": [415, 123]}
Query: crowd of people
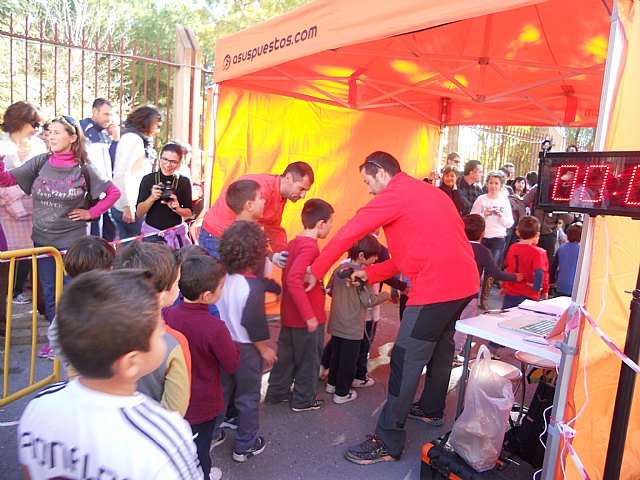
{"type": "Point", "coordinates": [165, 342]}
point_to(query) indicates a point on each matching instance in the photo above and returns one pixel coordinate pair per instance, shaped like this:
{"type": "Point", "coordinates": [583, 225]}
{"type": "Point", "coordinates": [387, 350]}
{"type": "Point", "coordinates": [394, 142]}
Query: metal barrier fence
{"type": "Point", "coordinates": [64, 71]}
{"type": "Point", "coordinates": [33, 385]}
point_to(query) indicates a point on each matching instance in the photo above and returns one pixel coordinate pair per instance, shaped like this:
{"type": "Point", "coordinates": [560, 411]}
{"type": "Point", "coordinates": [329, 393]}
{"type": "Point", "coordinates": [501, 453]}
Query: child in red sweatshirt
{"type": "Point", "coordinates": [302, 316]}
{"type": "Point", "coordinates": [527, 258]}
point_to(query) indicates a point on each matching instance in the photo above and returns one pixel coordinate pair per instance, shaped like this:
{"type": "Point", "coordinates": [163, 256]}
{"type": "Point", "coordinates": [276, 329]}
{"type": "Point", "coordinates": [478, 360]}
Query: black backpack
{"type": "Point", "coordinates": [524, 440]}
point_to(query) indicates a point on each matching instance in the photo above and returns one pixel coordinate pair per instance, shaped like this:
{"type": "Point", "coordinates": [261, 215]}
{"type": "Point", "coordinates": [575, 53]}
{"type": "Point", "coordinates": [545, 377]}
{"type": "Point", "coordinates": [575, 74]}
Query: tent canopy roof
{"type": "Point", "coordinates": [452, 62]}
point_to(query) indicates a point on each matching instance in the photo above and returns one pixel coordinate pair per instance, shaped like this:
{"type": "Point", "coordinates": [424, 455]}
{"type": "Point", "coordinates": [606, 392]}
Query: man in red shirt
{"type": "Point", "coordinates": [417, 219]}
{"type": "Point", "coordinates": [292, 185]}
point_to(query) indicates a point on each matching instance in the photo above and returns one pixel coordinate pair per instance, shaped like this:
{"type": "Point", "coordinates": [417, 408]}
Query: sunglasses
{"type": "Point", "coordinates": [35, 124]}
{"type": "Point", "coordinates": [375, 164]}
{"type": "Point", "coordinates": [68, 120]}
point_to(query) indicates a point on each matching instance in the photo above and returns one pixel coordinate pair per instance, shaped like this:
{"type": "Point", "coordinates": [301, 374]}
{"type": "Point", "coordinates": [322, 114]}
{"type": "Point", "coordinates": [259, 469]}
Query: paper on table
{"type": "Point", "coordinates": [554, 306]}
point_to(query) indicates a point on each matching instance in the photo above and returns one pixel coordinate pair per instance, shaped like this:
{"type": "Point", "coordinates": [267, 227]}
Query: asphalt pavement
{"type": "Point", "coordinates": [305, 445]}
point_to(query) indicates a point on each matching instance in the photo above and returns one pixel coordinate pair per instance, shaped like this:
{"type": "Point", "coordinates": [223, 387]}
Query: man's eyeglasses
{"type": "Point", "coordinates": [169, 161]}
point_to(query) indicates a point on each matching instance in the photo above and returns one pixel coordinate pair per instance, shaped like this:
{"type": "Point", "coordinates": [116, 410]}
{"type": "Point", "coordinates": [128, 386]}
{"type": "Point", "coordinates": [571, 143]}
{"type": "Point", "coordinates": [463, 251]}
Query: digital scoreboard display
{"type": "Point", "coordinates": [597, 183]}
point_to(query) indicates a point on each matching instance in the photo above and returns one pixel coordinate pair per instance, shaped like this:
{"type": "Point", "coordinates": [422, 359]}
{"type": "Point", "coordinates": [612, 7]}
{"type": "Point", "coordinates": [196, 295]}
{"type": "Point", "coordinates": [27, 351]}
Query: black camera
{"type": "Point", "coordinates": [167, 191]}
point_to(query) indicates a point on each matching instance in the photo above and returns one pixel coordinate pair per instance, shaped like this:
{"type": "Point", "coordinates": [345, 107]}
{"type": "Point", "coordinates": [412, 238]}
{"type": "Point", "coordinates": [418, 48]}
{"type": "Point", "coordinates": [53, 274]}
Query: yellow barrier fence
{"type": "Point", "coordinates": [11, 257]}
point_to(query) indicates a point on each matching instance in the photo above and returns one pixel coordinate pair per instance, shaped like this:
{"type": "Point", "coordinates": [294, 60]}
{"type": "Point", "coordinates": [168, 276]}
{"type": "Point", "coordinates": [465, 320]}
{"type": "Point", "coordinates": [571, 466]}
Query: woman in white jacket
{"type": "Point", "coordinates": [20, 142]}
{"type": "Point", "coordinates": [495, 208]}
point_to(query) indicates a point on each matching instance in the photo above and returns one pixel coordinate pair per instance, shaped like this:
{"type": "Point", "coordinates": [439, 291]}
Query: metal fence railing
{"type": "Point", "coordinates": [33, 384]}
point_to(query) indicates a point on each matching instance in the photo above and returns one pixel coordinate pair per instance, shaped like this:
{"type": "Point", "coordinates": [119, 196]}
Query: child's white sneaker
{"type": "Point", "coordinates": [215, 473]}
{"type": "Point", "coordinates": [330, 388]}
{"type": "Point", "coordinates": [352, 395]}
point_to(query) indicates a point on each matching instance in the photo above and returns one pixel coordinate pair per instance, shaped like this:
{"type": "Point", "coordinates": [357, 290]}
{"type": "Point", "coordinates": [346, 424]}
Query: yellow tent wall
{"type": "Point", "coordinates": [614, 269]}
{"type": "Point", "coordinates": [261, 133]}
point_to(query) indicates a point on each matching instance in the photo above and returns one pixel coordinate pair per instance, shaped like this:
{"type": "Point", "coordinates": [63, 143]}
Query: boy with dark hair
{"type": "Point", "coordinates": [171, 382]}
{"type": "Point", "coordinates": [245, 199]}
{"type": "Point", "coordinates": [242, 248]}
{"type": "Point", "coordinates": [527, 258]}
{"type": "Point", "coordinates": [111, 331]}
{"type": "Point", "coordinates": [565, 261]}
{"type": "Point", "coordinates": [85, 254]}
{"type": "Point", "coordinates": [212, 349]}
{"type": "Point", "coordinates": [347, 318]}
{"type": "Point", "coordinates": [474, 225]}
{"type": "Point", "coordinates": [302, 316]}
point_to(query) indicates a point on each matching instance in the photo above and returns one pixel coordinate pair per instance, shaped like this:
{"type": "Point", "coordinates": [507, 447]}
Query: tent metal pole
{"type": "Point", "coordinates": [569, 346]}
{"type": "Point", "coordinates": [208, 173]}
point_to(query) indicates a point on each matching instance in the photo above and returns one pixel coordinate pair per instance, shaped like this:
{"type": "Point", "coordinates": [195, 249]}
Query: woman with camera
{"type": "Point", "coordinates": [165, 198]}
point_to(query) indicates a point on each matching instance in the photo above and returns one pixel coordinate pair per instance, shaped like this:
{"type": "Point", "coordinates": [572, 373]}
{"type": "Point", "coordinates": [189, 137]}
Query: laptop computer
{"type": "Point", "coordinates": [548, 320]}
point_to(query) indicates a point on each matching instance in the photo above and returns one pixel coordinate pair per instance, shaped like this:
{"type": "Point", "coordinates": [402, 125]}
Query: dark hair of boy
{"type": "Point", "coordinates": [574, 233]}
{"type": "Point", "coordinates": [314, 210]}
{"type": "Point", "coordinates": [474, 226]}
{"type": "Point", "coordinates": [243, 247]}
{"type": "Point", "coordinates": [200, 274]}
{"type": "Point", "coordinates": [157, 258]}
{"type": "Point", "coordinates": [380, 160]}
{"type": "Point", "coordinates": [299, 170]}
{"type": "Point", "coordinates": [368, 245]}
{"type": "Point", "coordinates": [104, 315]}
{"type": "Point", "coordinates": [188, 251]}
{"type": "Point", "coordinates": [528, 227]}
{"type": "Point", "coordinates": [89, 253]}
{"type": "Point", "coordinates": [239, 193]}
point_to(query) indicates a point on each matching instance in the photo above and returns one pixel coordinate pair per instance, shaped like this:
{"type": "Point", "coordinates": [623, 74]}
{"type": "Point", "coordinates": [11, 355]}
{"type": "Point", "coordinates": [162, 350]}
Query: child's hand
{"type": "Point", "coordinates": [387, 296]}
{"type": "Point", "coordinates": [269, 356]}
{"type": "Point", "coordinates": [312, 325]}
{"type": "Point", "coordinates": [519, 276]}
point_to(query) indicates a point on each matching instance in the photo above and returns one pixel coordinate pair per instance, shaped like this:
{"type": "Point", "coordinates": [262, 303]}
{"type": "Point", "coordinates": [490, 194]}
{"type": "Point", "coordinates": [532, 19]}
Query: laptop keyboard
{"type": "Point", "coordinates": [543, 327]}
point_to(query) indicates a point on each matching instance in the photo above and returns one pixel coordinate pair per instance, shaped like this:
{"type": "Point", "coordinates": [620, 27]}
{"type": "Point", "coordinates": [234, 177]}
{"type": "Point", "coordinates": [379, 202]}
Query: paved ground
{"type": "Point", "coordinates": [305, 445]}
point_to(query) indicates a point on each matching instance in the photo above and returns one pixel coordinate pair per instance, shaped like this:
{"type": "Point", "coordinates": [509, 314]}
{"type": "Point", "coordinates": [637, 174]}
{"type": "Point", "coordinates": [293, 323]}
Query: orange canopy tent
{"type": "Point", "coordinates": [335, 80]}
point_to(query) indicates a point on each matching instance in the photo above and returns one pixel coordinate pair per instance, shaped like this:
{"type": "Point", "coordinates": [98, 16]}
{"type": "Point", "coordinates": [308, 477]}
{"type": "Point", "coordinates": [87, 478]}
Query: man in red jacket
{"type": "Point", "coordinates": [292, 185]}
{"type": "Point", "coordinates": [417, 219]}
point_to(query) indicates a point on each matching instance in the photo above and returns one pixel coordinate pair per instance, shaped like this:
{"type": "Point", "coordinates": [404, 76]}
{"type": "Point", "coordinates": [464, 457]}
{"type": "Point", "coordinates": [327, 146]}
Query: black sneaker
{"type": "Point", "coordinates": [316, 405]}
{"type": "Point", "coordinates": [372, 450]}
{"type": "Point", "coordinates": [257, 449]}
{"type": "Point", "coordinates": [219, 440]}
{"type": "Point", "coordinates": [416, 412]}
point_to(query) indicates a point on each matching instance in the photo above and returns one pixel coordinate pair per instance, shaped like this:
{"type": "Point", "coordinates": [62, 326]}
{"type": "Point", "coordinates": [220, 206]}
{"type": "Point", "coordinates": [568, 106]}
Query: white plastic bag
{"type": "Point", "coordinates": [478, 433]}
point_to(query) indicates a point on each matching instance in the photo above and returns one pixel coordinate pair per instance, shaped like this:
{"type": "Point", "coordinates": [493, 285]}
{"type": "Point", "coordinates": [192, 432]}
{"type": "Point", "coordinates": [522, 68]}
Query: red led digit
{"type": "Point", "coordinates": [595, 179]}
{"type": "Point", "coordinates": [635, 175]}
{"type": "Point", "coordinates": [563, 188]}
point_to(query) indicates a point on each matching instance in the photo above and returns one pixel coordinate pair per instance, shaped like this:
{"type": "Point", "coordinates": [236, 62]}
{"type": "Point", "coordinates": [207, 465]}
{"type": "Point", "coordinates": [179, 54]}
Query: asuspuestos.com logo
{"type": "Point", "coordinates": [278, 43]}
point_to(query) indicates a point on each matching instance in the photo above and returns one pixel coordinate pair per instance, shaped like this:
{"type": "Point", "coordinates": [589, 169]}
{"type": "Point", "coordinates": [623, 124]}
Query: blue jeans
{"type": "Point", "coordinates": [209, 242]}
{"type": "Point", "coordinates": [126, 230]}
{"type": "Point", "coordinates": [496, 246]}
{"type": "Point", "coordinates": [47, 276]}
{"type": "Point", "coordinates": [104, 227]}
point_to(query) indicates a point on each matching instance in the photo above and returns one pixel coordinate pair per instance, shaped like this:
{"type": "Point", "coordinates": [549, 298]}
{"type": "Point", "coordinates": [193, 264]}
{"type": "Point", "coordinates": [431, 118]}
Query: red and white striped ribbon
{"type": "Point", "coordinates": [115, 242]}
{"type": "Point", "coordinates": [567, 434]}
{"type": "Point", "coordinates": [630, 363]}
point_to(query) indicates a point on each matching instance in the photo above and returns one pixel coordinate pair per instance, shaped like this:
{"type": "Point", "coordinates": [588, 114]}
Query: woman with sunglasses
{"type": "Point", "coordinates": [20, 142]}
{"type": "Point", "coordinates": [165, 198]}
{"type": "Point", "coordinates": [60, 184]}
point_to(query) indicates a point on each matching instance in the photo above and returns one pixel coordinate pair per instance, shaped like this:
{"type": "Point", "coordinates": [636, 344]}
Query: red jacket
{"type": "Point", "coordinates": [220, 216]}
{"type": "Point", "coordinates": [298, 306]}
{"type": "Point", "coordinates": [425, 237]}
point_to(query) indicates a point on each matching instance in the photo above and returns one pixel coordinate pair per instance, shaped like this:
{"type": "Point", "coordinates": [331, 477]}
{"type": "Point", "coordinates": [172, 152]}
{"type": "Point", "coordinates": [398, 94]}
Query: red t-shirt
{"type": "Point", "coordinates": [526, 259]}
{"type": "Point", "coordinates": [298, 306]}
{"type": "Point", "coordinates": [220, 216]}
